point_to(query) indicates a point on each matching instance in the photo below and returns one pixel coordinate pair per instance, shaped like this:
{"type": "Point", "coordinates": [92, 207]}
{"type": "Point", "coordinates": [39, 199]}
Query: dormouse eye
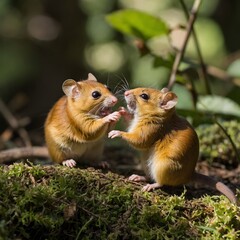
{"type": "Point", "coordinates": [144, 96]}
{"type": "Point", "coordinates": [96, 94]}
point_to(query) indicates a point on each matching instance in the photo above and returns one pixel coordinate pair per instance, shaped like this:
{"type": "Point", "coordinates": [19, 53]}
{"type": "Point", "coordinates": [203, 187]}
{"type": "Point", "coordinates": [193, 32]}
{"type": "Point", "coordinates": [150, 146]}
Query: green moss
{"type": "Point", "coordinates": [55, 202]}
{"type": "Point", "coordinates": [214, 144]}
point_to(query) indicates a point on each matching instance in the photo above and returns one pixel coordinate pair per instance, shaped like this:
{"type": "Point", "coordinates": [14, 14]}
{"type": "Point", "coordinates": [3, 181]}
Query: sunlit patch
{"type": "Point", "coordinates": [107, 56]}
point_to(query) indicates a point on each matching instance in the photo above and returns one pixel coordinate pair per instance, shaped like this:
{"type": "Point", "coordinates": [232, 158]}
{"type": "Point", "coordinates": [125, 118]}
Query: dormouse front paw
{"type": "Point", "coordinates": [113, 117]}
{"type": "Point", "coordinates": [114, 134]}
{"type": "Point", "coordinates": [126, 114]}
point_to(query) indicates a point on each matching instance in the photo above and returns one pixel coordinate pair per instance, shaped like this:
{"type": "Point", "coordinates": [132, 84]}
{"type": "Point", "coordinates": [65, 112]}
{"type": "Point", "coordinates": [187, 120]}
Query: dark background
{"type": "Point", "coordinates": [42, 43]}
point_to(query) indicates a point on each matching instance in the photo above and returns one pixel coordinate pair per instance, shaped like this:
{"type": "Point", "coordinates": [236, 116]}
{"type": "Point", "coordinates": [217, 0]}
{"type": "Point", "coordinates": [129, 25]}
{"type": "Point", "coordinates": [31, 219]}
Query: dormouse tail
{"type": "Point", "coordinates": [221, 187]}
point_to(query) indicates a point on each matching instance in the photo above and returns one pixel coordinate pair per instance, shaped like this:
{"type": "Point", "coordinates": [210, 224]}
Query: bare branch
{"type": "Point", "coordinates": [181, 52]}
{"type": "Point", "coordinates": [222, 75]}
{"type": "Point", "coordinates": [195, 39]}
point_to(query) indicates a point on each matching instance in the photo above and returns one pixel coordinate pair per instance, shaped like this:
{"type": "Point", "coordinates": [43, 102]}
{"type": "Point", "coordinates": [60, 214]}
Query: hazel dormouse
{"type": "Point", "coordinates": [78, 122]}
{"type": "Point", "coordinates": [168, 143]}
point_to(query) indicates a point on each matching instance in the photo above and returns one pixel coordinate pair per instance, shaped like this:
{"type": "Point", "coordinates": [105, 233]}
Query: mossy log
{"type": "Point", "coordinates": [55, 202]}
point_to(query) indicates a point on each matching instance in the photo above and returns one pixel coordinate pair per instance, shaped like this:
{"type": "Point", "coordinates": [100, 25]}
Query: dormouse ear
{"type": "Point", "coordinates": [70, 88]}
{"type": "Point", "coordinates": [168, 101]}
{"type": "Point", "coordinates": [91, 77]}
{"type": "Point", "coordinates": [164, 90]}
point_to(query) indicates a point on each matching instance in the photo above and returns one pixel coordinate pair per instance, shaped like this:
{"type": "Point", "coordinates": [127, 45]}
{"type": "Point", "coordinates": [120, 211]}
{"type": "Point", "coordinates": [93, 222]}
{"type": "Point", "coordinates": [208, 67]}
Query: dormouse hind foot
{"type": "Point", "coordinates": [104, 165]}
{"type": "Point", "coordinates": [149, 187]}
{"type": "Point", "coordinates": [69, 163]}
{"type": "Point", "coordinates": [137, 178]}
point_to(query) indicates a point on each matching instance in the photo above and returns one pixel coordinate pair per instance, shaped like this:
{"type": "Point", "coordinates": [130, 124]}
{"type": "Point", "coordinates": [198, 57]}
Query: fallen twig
{"type": "Point", "coordinates": [25, 152]}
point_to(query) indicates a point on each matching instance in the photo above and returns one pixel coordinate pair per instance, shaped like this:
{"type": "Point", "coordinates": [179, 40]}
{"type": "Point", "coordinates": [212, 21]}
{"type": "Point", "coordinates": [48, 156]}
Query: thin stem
{"type": "Point", "coordinates": [229, 138]}
{"type": "Point", "coordinates": [196, 42]}
{"type": "Point", "coordinates": [180, 54]}
{"type": "Point", "coordinates": [216, 72]}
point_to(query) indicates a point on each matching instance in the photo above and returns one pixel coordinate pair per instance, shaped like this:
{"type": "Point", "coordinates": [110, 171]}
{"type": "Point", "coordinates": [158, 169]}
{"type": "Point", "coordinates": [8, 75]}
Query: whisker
{"type": "Point", "coordinates": [97, 108]}
{"type": "Point", "coordinates": [124, 78]}
{"type": "Point", "coordinates": [125, 87]}
{"type": "Point", "coordinates": [119, 94]}
{"type": "Point", "coordinates": [116, 88]}
{"type": "Point", "coordinates": [124, 81]}
{"type": "Point", "coordinates": [118, 91]}
{"type": "Point", "coordinates": [122, 97]}
{"type": "Point", "coordinates": [108, 78]}
{"type": "Point", "coordinates": [121, 90]}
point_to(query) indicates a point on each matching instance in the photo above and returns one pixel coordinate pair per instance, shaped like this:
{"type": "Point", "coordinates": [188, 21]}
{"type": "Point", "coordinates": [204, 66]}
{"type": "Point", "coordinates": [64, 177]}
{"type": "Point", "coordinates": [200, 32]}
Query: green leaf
{"type": "Point", "coordinates": [234, 68]}
{"type": "Point", "coordinates": [161, 62]}
{"type": "Point", "coordinates": [219, 105]}
{"type": "Point", "coordinates": [161, 47]}
{"type": "Point", "coordinates": [137, 23]}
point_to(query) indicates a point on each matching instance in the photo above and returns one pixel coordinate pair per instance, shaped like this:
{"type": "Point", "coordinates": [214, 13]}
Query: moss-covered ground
{"type": "Point", "coordinates": [55, 202]}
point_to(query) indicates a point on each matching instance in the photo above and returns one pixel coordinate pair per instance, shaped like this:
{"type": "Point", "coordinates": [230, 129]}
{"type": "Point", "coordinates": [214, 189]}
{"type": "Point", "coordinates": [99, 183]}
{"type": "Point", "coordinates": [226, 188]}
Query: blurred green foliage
{"type": "Point", "coordinates": [211, 43]}
{"type": "Point", "coordinates": [138, 24]}
{"type": "Point", "coordinates": [43, 43]}
{"type": "Point", "coordinates": [234, 68]}
{"type": "Point", "coordinates": [214, 145]}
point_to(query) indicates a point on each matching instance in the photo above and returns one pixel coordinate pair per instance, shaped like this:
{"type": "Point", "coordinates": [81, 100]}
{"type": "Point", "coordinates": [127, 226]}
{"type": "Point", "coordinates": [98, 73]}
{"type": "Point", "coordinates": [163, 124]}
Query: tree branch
{"type": "Point", "coordinates": [221, 74]}
{"type": "Point", "coordinates": [180, 54]}
{"type": "Point", "coordinates": [214, 72]}
{"type": "Point", "coordinates": [195, 39]}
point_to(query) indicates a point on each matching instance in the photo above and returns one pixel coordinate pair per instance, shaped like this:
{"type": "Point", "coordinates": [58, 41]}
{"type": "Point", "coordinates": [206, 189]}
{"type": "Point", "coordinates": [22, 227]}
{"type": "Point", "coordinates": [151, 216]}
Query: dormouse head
{"type": "Point", "coordinates": [142, 101]}
{"type": "Point", "coordinates": [89, 96]}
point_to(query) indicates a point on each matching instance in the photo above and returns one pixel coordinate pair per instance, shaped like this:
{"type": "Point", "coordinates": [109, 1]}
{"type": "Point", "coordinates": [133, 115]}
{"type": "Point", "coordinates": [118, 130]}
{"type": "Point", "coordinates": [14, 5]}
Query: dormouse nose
{"type": "Point", "coordinates": [114, 100]}
{"type": "Point", "coordinates": [126, 93]}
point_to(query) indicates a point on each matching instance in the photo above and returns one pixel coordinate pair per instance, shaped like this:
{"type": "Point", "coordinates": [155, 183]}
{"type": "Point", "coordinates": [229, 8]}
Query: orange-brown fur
{"type": "Point", "coordinates": [166, 136]}
{"type": "Point", "coordinates": [73, 128]}
{"type": "Point", "coordinates": [170, 167]}
{"type": "Point", "coordinates": [169, 144]}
